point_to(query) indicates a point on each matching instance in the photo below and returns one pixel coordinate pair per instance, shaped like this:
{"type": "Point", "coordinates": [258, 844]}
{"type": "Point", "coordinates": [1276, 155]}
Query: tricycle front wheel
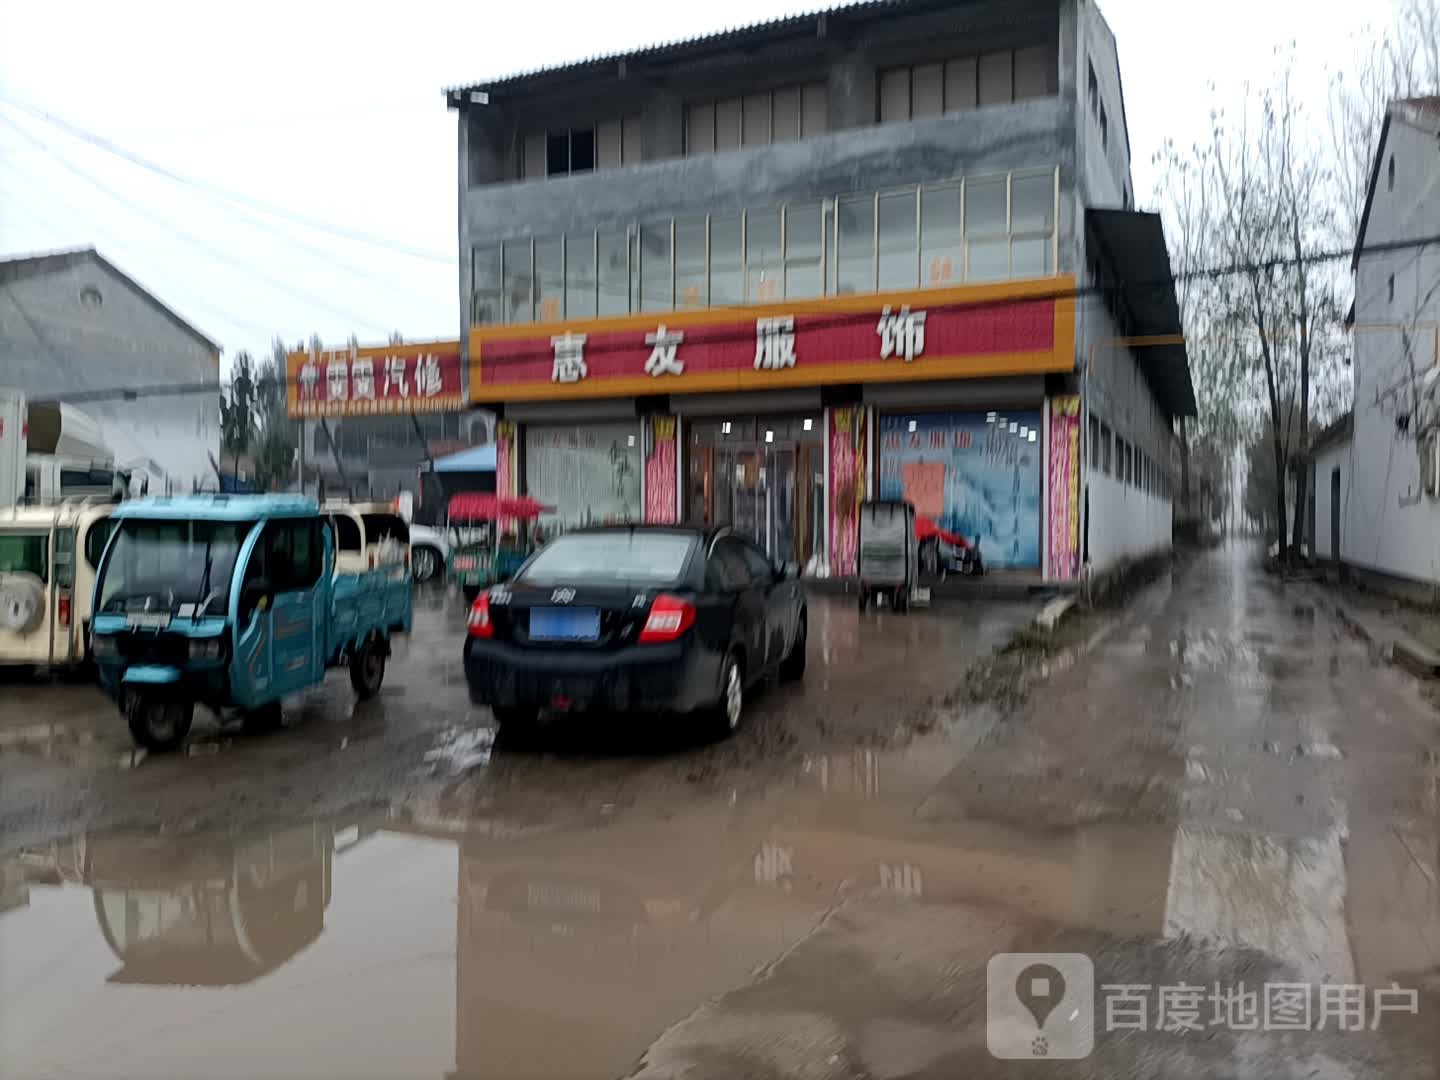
{"type": "Point", "coordinates": [158, 724]}
{"type": "Point", "coordinates": [367, 669]}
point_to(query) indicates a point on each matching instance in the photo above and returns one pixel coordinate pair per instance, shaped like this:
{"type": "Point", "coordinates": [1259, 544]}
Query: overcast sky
{"type": "Point", "coordinates": [336, 115]}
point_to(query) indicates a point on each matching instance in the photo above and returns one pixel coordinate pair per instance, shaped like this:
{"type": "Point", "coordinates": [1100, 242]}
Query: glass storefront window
{"type": "Point", "coordinates": [727, 269]}
{"type": "Point", "coordinates": [941, 257]}
{"type": "Point", "coordinates": [485, 289]}
{"type": "Point", "coordinates": [762, 255]}
{"type": "Point", "coordinates": [1030, 256]}
{"type": "Point", "coordinates": [579, 275]}
{"type": "Point", "coordinates": [517, 279]}
{"type": "Point", "coordinates": [690, 286]}
{"type": "Point", "coordinates": [855, 245]}
{"type": "Point", "coordinates": [549, 279]}
{"type": "Point", "coordinates": [803, 243]}
{"type": "Point", "coordinates": [985, 229]}
{"type": "Point", "coordinates": [898, 255]}
{"type": "Point", "coordinates": [1032, 203]}
{"type": "Point", "coordinates": [987, 260]}
{"type": "Point", "coordinates": [985, 207]}
{"type": "Point", "coordinates": [613, 273]}
{"type": "Point", "coordinates": [656, 283]}
{"type": "Point", "coordinates": [590, 474]}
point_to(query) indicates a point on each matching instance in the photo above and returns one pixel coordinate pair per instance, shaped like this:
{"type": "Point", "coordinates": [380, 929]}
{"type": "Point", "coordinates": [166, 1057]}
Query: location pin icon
{"type": "Point", "coordinates": [1040, 987]}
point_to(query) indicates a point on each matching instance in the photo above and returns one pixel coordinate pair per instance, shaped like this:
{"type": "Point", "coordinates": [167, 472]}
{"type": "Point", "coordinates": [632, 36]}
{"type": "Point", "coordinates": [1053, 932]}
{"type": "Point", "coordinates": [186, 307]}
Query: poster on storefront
{"type": "Point", "coordinates": [661, 474]}
{"type": "Point", "coordinates": [1064, 464]}
{"type": "Point", "coordinates": [588, 475]}
{"type": "Point", "coordinates": [973, 473]}
{"type": "Point", "coordinates": [847, 486]}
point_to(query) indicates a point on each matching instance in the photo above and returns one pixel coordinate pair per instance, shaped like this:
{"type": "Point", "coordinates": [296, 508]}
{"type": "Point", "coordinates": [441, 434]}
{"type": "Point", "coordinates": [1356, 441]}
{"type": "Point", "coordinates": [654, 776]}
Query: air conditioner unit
{"type": "Point", "coordinates": [1429, 445]}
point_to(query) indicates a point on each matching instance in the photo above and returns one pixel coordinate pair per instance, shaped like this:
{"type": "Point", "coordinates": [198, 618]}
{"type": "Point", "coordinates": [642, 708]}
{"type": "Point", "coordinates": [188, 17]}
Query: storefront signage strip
{"type": "Point", "coordinates": [388, 380]}
{"type": "Point", "coordinates": [890, 338]}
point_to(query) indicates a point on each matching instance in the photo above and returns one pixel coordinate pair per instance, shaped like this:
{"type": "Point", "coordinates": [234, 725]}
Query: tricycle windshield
{"type": "Point", "coordinates": [179, 567]}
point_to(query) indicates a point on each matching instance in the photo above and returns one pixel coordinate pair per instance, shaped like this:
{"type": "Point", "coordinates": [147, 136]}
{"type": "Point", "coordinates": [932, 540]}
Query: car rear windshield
{"type": "Point", "coordinates": [632, 557]}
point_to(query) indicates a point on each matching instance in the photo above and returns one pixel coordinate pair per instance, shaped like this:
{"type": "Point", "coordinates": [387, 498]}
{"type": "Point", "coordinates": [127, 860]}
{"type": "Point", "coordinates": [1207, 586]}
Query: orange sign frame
{"type": "Point", "coordinates": [1059, 357]}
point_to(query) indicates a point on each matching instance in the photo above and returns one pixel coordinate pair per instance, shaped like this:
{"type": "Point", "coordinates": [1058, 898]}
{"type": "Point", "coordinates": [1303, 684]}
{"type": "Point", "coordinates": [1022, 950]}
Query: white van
{"type": "Point", "coordinates": [48, 557]}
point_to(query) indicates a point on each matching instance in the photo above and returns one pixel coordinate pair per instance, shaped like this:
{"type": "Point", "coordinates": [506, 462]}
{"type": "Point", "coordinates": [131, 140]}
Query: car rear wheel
{"type": "Point", "coordinates": [367, 669]}
{"type": "Point", "coordinates": [424, 562]}
{"type": "Point", "coordinates": [726, 714]}
{"type": "Point", "coordinates": [157, 723]}
{"type": "Point", "coordinates": [793, 666]}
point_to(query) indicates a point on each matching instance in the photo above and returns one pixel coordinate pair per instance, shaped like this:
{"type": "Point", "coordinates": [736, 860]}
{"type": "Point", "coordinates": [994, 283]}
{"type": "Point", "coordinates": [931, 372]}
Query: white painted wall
{"type": "Point", "coordinates": [1125, 521]}
{"type": "Point", "coordinates": [1327, 460]}
{"type": "Point", "coordinates": [55, 344]}
{"type": "Point", "coordinates": [1389, 524]}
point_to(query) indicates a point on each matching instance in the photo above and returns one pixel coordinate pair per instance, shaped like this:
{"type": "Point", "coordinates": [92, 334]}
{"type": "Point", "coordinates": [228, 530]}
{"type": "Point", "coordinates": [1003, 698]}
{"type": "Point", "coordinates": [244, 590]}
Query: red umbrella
{"type": "Point", "coordinates": [475, 506]}
{"type": "Point", "coordinates": [523, 507]}
{"type": "Point", "coordinates": [925, 528]}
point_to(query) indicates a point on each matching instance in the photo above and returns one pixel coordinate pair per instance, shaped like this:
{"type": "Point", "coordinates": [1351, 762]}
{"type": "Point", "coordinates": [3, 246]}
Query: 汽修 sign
{"type": "Point", "coordinates": [379, 381]}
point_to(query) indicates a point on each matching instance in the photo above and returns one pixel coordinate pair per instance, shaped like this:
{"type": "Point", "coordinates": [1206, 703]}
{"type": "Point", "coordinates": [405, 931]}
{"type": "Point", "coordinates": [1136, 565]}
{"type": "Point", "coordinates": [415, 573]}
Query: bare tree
{"type": "Point", "coordinates": [1398, 60]}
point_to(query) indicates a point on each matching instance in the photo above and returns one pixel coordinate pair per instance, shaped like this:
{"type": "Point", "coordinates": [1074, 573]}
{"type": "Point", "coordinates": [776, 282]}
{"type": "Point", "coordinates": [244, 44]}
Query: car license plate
{"type": "Point", "coordinates": [564, 624]}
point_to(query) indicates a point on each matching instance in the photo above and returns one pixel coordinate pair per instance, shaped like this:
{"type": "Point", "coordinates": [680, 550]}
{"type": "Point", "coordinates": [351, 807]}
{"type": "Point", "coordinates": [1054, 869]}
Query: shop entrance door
{"type": "Point", "coordinates": [765, 477]}
{"type": "Point", "coordinates": [754, 491]}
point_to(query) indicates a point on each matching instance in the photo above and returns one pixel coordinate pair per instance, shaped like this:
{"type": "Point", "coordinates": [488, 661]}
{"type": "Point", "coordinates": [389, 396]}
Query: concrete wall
{"type": "Point", "coordinates": [1104, 165]}
{"type": "Point", "coordinates": [857, 155]}
{"type": "Point", "coordinates": [1390, 525]}
{"type": "Point", "coordinates": [1124, 521]}
{"type": "Point", "coordinates": [53, 345]}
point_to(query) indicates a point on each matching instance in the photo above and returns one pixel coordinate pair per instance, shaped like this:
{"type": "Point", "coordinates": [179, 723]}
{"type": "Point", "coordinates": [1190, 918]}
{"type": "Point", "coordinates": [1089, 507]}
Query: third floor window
{"type": "Point", "coordinates": [968, 82]}
{"type": "Point", "coordinates": [792, 112]}
{"type": "Point", "coordinates": [561, 151]}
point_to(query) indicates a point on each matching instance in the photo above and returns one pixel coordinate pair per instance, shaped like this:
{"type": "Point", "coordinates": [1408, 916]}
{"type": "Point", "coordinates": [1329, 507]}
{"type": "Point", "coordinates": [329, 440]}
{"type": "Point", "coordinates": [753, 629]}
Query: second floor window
{"type": "Point", "coordinates": [792, 112]}
{"type": "Point", "coordinates": [561, 151]}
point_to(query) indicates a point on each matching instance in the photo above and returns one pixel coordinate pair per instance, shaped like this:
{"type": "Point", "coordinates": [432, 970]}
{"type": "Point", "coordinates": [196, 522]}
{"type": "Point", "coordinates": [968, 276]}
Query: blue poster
{"type": "Point", "coordinates": [972, 473]}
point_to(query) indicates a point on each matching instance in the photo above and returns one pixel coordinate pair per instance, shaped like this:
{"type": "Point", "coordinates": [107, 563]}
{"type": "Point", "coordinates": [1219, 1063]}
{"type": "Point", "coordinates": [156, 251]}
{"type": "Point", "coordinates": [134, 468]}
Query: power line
{"type": "Point", "coordinates": [328, 257]}
{"type": "Point", "coordinates": [191, 238]}
{"type": "Point", "coordinates": [92, 229]}
{"type": "Point", "coordinates": [225, 193]}
{"type": "Point", "coordinates": [747, 335]}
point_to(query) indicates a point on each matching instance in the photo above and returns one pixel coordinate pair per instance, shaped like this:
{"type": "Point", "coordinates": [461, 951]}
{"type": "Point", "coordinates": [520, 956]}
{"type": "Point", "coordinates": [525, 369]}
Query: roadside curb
{"type": "Point", "coordinates": [1051, 614]}
{"type": "Point", "coordinates": [1394, 644]}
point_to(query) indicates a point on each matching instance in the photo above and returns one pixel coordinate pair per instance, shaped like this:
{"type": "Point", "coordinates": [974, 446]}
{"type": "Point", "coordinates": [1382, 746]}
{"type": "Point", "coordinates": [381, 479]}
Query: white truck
{"type": "Point", "coordinates": [58, 485]}
{"type": "Point", "coordinates": [13, 417]}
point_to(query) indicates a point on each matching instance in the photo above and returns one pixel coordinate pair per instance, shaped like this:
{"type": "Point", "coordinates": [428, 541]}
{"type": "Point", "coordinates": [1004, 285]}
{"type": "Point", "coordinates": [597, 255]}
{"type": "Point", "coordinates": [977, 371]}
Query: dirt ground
{"type": "Point", "coordinates": [1211, 787]}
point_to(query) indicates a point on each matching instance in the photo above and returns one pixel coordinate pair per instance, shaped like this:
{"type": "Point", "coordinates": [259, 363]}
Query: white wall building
{"type": "Point", "coordinates": [1375, 478]}
{"type": "Point", "coordinates": [76, 329]}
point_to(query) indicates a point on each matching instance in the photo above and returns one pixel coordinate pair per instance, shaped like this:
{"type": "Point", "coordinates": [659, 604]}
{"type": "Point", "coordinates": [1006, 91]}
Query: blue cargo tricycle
{"type": "Point", "coordinates": [234, 602]}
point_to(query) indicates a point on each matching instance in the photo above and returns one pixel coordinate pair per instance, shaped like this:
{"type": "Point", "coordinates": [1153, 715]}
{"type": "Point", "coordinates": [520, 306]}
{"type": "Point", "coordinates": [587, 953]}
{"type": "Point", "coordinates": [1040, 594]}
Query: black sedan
{"type": "Point", "coordinates": [644, 618]}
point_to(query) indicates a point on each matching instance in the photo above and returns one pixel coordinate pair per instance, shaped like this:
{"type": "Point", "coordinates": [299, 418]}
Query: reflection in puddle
{"type": "Point", "coordinates": [429, 942]}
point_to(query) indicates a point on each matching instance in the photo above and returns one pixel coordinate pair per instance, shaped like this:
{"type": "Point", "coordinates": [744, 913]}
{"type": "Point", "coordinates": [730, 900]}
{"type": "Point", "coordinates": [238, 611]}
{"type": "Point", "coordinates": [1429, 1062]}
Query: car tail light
{"type": "Point", "coordinates": [669, 617]}
{"type": "Point", "coordinates": [62, 609]}
{"type": "Point", "coordinates": [480, 624]}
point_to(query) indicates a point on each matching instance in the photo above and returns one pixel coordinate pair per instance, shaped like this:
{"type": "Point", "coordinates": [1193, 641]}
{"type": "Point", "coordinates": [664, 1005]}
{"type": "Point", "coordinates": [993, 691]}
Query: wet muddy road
{"type": "Point", "coordinates": [1222, 791]}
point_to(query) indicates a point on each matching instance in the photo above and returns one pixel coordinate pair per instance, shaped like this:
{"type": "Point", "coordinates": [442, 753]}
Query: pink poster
{"type": "Point", "coordinates": [1064, 487]}
{"type": "Point", "coordinates": [847, 486]}
{"type": "Point", "coordinates": [505, 466]}
{"type": "Point", "coordinates": [662, 472]}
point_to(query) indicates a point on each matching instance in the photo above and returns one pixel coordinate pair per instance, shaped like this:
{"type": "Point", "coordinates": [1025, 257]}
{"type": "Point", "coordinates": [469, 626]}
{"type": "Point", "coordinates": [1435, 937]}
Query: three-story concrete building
{"type": "Point", "coordinates": [886, 250]}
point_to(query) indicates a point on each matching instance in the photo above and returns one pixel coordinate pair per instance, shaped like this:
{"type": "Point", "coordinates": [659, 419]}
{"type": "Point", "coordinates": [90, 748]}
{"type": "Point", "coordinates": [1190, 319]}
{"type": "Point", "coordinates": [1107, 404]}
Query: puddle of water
{"type": "Point", "coordinates": [453, 937]}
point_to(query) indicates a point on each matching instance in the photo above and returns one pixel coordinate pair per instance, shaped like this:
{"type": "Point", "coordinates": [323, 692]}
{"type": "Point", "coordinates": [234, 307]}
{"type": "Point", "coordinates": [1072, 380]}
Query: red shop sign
{"type": "Point", "coordinates": [817, 343]}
